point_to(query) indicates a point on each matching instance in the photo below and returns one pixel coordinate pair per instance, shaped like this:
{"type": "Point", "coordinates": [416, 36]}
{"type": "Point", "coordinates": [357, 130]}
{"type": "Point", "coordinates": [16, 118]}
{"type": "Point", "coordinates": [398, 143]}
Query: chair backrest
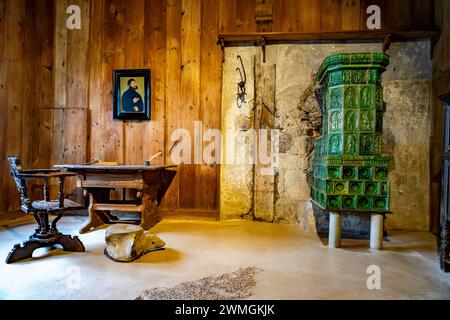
{"type": "Point", "coordinates": [14, 166]}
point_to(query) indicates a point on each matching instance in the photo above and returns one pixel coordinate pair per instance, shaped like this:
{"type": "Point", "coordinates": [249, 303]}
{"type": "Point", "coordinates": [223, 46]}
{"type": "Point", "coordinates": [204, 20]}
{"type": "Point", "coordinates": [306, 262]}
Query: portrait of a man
{"type": "Point", "coordinates": [131, 99]}
{"type": "Point", "coordinates": [131, 94]}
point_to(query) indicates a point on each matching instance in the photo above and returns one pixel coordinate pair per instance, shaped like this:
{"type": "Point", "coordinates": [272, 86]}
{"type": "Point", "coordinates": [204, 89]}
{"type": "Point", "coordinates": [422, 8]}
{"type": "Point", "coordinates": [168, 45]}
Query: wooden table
{"type": "Point", "coordinates": [150, 184]}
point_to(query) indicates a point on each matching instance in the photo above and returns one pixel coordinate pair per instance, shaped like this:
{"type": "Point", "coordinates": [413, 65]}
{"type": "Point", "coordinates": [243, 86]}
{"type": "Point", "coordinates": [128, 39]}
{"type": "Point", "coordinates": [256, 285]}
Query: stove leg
{"type": "Point", "coordinates": [334, 233]}
{"type": "Point", "coordinates": [376, 231]}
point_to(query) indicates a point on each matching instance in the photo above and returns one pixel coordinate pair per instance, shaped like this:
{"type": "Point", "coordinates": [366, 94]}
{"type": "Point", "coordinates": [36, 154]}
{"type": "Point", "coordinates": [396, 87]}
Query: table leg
{"type": "Point", "coordinates": [149, 215]}
{"type": "Point", "coordinates": [94, 220]}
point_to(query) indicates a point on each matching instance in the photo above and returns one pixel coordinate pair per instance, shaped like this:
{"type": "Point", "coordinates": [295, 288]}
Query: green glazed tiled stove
{"type": "Point", "coordinates": [349, 171]}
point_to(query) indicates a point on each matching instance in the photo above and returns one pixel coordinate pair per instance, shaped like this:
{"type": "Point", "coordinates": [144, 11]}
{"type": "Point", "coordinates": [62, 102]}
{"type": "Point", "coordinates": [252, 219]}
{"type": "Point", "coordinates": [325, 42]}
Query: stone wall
{"type": "Point", "coordinates": [406, 133]}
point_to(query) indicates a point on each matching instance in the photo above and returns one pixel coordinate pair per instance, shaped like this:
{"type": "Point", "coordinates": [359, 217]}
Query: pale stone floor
{"type": "Point", "coordinates": [296, 265]}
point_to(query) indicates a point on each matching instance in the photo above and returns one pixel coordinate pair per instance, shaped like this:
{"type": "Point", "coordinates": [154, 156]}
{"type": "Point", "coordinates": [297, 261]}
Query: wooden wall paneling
{"type": "Point", "coordinates": [27, 87]}
{"type": "Point", "coordinates": [57, 127]}
{"type": "Point", "coordinates": [438, 13]}
{"type": "Point", "coordinates": [190, 93]}
{"type": "Point", "coordinates": [77, 60]}
{"type": "Point", "coordinates": [245, 15]}
{"type": "Point", "coordinates": [3, 119]}
{"type": "Point", "coordinates": [60, 54]}
{"type": "Point", "coordinates": [423, 14]}
{"type": "Point", "coordinates": [285, 15]}
{"type": "Point", "coordinates": [399, 14]}
{"type": "Point", "coordinates": [113, 57]}
{"type": "Point", "coordinates": [75, 124]}
{"type": "Point", "coordinates": [75, 135]}
{"type": "Point", "coordinates": [42, 146]}
{"type": "Point", "coordinates": [210, 89]}
{"type": "Point", "coordinates": [134, 59]}
{"type": "Point", "coordinates": [264, 15]}
{"type": "Point", "coordinates": [43, 80]}
{"type": "Point", "coordinates": [70, 87]}
{"type": "Point", "coordinates": [48, 144]}
{"type": "Point", "coordinates": [7, 66]}
{"type": "Point", "coordinates": [331, 15]}
{"type": "Point", "coordinates": [94, 116]}
{"type": "Point", "coordinates": [50, 86]}
{"type": "Point", "coordinates": [309, 17]}
{"type": "Point", "coordinates": [227, 16]}
{"type": "Point", "coordinates": [155, 59]}
{"type": "Point", "coordinates": [43, 71]}
{"type": "Point", "coordinates": [77, 81]}
{"type": "Point", "coordinates": [16, 99]}
{"type": "Point", "coordinates": [115, 52]}
{"type": "Point", "coordinates": [350, 14]}
{"type": "Point", "coordinates": [173, 91]}
{"type": "Point", "coordinates": [51, 117]}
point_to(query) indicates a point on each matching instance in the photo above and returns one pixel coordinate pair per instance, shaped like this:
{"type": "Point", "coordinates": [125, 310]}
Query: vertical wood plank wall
{"type": "Point", "coordinates": [56, 84]}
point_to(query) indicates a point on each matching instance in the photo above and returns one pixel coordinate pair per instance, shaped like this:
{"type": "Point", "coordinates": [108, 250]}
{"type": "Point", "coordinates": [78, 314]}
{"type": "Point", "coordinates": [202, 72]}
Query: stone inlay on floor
{"type": "Point", "coordinates": [229, 286]}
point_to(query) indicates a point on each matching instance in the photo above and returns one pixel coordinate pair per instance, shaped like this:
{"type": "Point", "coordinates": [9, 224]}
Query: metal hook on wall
{"type": "Point", "coordinates": [241, 84]}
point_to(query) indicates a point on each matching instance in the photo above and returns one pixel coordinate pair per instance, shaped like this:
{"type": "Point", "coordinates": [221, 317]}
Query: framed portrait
{"type": "Point", "coordinates": [131, 94]}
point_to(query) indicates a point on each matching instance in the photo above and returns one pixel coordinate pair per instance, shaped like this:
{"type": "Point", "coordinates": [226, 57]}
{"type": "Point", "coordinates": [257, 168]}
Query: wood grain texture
{"type": "Point", "coordinates": [331, 14]}
{"type": "Point", "coordinates": [245, 15]}
{"type": "Point", "coordinates": [133, 52]}
{"type": "Point", "coordinates": [423, 14]}
{"type": "Point", "coordinates": [264, 15]}
{"type": "Point", "coordinates": [27, 89]}
{"type": "Point", "coordinates": [43, 71]}
{"type": "Point", "coordinates": [16, 70]}
{"type": "Point", "coordinates": [77, 57]}
{"type": "Point", "coordinates": [94, 115]}
{"type": "Point", "coordinates": [399, 14]}
{"type": "Point", "coordinates": [111, 140]}
{"type": "Point", "coordinates": [172, 91]}
{"type": "Point", "coordinates": [227, 15]}
{"type": "Point", "coordinates": [210, 89]}
{"type": "Point", "coordinates": [4, 168]}
{"type": "Point", "coordinates": [155, 59]}
{"type": "Point", "coordinates": [190, 93]}
{"type": "Point", "coordinates": [309, 12]}
{"type": "Point", "coordinates": [350, 14]}
{"type": "Point", "coordinates": [285, 15]}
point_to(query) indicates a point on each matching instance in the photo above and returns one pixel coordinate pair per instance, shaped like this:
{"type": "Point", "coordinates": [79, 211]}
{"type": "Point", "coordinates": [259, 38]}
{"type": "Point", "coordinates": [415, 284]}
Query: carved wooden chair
{"type": "Point", "coordinates": [46, 235]}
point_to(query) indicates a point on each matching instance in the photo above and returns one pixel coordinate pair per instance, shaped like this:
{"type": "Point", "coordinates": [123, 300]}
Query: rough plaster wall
{"type": "Point", "coordinates": [406, 136]}
{"type": "Point", "coordinates": [407, 125]}
{"type": "Point", "coordinates": [236, 180]}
